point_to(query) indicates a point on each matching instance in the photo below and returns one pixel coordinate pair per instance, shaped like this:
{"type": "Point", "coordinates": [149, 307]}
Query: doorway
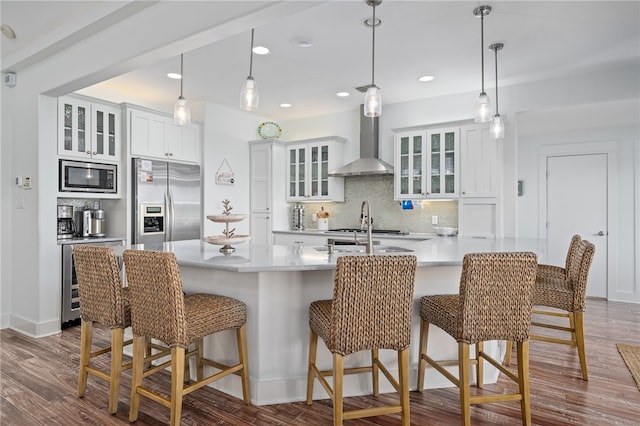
{"type": "Point", "coordinates": [577, 200]}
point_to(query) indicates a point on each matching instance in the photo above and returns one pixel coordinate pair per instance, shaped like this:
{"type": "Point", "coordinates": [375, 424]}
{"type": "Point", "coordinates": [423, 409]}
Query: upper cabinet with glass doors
{"type": "Point", "coordinates": [426, 164]}
{"type": "Point", "coordinates": [88, 130]}
{"type": "Point", "coordinates": [309, 163]}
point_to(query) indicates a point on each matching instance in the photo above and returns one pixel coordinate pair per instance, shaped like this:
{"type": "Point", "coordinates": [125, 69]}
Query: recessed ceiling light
{"type": "Point", "coordinates": [343, 94]}
{"type": "Point", "coordinates": [285, 105]}
{"type": "Point", "coordinates": [426, 78]}
{"type": "Point", "coordinates": [369, 22]}
{"type": "Point", "coordinates": [302, 41]}
{"type": "Point", "coordinates": [8, 31]}
{"type": "Point", "coordinates": [261, 50]}
{"type": "Point", "coordinates": [174, 75]}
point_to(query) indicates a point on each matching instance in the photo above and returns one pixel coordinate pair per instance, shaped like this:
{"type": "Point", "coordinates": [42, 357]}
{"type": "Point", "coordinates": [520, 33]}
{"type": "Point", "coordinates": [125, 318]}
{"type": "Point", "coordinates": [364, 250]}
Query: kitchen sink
{"type": "Point", "coordinates": [362, 249]}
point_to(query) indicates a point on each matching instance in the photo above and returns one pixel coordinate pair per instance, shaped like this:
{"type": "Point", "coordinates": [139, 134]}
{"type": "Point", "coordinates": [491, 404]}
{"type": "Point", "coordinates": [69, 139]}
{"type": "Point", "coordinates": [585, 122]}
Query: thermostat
{"type": "Point", "coordinates": [10, 79]}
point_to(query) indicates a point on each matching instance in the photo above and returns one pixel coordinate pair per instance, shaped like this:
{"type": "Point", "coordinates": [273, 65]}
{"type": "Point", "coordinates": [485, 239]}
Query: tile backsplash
{"type": "Point", "coordinates": [387, 213]}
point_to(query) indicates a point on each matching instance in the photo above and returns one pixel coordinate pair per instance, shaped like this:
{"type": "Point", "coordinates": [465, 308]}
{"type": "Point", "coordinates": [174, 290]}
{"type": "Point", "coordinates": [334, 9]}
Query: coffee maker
{"type": "Point", "coordinates": [91, 223]}
{"type": "Point", "coordinates": [66, 226]}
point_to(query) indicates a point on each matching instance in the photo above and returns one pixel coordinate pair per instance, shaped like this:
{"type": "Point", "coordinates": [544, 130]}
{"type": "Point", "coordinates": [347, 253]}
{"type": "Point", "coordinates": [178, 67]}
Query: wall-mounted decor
{"type": "Point", "coordinates": [224, 174]}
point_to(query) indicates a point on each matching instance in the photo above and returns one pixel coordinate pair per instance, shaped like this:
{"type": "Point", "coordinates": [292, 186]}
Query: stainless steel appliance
{"type": "Point", "coordinates": [98, 223]}
{"type": "Point", "coordinates": [297, 217]}
{"type": "Point", "coordinates": [82, 176]}
{"type": "Point", "coordinates": [83, 223]}
{"type": "Point", "coordinates": [66, 226]}
{"type": "Point", "coordinates": [167, 202]}
{"type": "Point", "coordinates": [70, 296]}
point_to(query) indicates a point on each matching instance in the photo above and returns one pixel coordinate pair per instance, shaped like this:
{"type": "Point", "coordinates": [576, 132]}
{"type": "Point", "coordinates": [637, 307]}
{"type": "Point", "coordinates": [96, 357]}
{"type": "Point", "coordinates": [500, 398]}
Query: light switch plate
{"type": "Point", "coordinates": [434, 220]}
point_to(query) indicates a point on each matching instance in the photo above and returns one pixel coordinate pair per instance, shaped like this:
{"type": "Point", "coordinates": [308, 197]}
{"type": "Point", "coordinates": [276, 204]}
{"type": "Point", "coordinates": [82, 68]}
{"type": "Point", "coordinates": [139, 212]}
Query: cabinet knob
{"type": "Point", "coordinates": [88, 152]}
{"type": "Point", "coordinates": [95, 152]}
{"type": "Point", "coordinates": [171, 154]}
{"type": "Point", "coordinates": [464, 192]}
{"type": "Point", "coordinates": [166, 154]}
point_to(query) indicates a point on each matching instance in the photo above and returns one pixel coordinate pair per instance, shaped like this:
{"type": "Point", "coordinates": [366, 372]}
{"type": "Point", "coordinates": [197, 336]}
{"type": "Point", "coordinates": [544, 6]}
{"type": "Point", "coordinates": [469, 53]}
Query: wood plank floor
{"type": "Point", "coordinates": [38, 383]}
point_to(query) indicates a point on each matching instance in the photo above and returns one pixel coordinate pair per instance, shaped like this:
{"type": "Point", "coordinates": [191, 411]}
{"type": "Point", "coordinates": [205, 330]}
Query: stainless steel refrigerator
{"type": "Point", "coordinates": [167, 201]}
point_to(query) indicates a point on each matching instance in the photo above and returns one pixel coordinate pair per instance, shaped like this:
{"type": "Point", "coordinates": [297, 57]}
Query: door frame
{"type": "Point", "coordinates": [610, 149]}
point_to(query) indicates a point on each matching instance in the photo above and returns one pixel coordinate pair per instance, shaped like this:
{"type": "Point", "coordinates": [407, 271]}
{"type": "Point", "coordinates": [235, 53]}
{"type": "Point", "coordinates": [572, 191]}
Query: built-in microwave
{"type": "Point", "coordinates": [82, 176]}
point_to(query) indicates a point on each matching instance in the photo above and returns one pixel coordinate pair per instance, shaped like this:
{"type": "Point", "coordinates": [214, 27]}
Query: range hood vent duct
{"type": "Point", "coordinates": [368, 163]}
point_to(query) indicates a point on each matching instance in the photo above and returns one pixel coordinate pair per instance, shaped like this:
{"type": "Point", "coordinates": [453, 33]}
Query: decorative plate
{"type": "Point", "coordinates": [222, 239]}
{"type": "Point", "coordinates": [226, 218]}
{"type": "Point", "coordinates": [269, 129]}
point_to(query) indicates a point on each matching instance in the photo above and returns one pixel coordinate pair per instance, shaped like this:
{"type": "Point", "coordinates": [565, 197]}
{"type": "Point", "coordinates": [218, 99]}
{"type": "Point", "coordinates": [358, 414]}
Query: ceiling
{"type": "Point", "coordinates": [543, 39]}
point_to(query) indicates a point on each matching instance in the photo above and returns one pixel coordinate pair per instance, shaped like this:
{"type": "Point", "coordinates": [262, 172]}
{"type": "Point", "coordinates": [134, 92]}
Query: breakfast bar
{"type": "Point", "coordinates": [277, 283]}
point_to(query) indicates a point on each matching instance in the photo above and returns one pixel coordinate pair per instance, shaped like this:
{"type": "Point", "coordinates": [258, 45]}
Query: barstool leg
{"type": "Point", "coordinates": [139, 344]}
{"type": "Point", "coordinates": [375, 371]}
{"type": "Point", "coordinates": [177, 384]}
{"type": "Point", "coordinates": [313, 347]}
{"type": "Point", "coordinates": [479, 365]}
{"type": "Point", "coordinates": [507, 353]}
{"type": "Point", "coordinates": [579, 327]}
{"type": "Point", "coordinates": [338, 375]}
{"type": "Point", "coordinates": [241, 335]}
{"type": "Point", "coordinates": [403, 364]}
{"type": "Point", "coordinates": [117, 339]}
{"type": "Point", "coordinates": [523, 380]}
{"type": "Point", "coordinates": [463, 378]}
{"type": "Point", "coordinates": [86, 333]}
{"type": "Point", "coordinates": [422, 363]}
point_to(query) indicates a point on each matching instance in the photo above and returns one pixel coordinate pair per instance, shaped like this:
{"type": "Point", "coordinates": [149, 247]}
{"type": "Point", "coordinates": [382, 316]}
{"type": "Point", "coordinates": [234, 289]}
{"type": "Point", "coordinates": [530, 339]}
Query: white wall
{"type": "Point", "coordinates": [226, 135]}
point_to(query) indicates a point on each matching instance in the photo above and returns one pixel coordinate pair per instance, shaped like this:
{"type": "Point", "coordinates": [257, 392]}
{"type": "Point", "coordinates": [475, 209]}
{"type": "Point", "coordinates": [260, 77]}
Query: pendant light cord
{"type": "Point", "coordinates": [373, 47]}
{"type": "Point", "coordinates": [181, 74]}
{"type": "Point", "coordinates": [482, 46]}
{"type": "Point", "coordinates": [496, 52]}
{"type": "Point", "coordinates": [251, 55]}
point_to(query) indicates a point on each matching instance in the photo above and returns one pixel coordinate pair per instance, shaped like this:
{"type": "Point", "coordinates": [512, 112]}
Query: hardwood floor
{"type": "Point", "coordinates": [38, 380]}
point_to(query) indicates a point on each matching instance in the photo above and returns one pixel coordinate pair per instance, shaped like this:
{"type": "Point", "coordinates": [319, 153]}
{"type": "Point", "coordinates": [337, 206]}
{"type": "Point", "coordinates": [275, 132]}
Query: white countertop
{"type": "Point", "coordinates": [438, 251]}
{"type": "Point", "coordinates": [89, 240]}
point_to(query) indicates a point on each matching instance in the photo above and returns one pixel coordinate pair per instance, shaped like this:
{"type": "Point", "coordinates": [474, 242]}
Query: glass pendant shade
{"type": "Point", "coordinates": [373, 102]}
{"type": "Point", "coordinates": [497, 127]}
{"type": "Point", "coordinates": [483, 109]}
{"type": "Point", "coordinates": [181, 112]}
{"type": "Point", "coordinates": [249, 96]}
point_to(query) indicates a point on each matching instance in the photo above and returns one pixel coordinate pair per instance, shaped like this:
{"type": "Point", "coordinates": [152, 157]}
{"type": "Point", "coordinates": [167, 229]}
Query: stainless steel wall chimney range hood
{"type": "Point", "coordinates": [368, 163]}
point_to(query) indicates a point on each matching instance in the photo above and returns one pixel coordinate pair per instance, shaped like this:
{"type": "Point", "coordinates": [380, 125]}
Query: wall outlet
{"type": "Point", "coordinates": [20, 202]}
{"type": "Point", "coordinates": [434, 220]}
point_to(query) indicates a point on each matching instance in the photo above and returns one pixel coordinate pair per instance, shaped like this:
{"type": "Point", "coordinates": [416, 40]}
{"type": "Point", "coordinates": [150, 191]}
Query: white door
{"type": "Point", "coordinates": [577, 204]}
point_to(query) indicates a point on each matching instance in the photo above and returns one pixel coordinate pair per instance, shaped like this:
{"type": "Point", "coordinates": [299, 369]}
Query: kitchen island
{"type": "Point", "coordinates": [278, 283]}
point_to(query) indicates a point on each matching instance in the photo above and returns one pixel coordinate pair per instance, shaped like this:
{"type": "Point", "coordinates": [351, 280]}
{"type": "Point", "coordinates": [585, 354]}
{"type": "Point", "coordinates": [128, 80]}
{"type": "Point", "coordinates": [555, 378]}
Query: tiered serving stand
{"type": "Point", "coordinates": [223, 240]}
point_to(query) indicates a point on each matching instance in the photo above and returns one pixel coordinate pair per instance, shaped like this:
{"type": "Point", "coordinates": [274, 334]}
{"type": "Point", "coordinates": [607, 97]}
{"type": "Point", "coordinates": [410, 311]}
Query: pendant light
{"type": "Point", "coordinates": [483, 109]}
{"type": "Point", "coordinates": [373, 98]}
{"type": "Point", "coordinates": [181, 112]}
{"type": "Point", "coordinates": [497, 123]}
{"type": "Point", "coordinates": [249, 97]}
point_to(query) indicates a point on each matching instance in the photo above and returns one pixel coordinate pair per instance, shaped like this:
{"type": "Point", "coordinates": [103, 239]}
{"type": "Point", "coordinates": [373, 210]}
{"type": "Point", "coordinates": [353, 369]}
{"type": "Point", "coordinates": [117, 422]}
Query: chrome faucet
{"type": "Point", "coordinates": [365, 224]}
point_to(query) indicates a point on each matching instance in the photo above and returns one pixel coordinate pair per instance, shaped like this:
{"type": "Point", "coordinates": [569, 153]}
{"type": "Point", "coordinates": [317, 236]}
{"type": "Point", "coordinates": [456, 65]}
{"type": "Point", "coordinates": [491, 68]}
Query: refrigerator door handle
{"type": "Point", "coordinates": [172, 216]}
{"type": "Point", "coordinates": [167, 217]}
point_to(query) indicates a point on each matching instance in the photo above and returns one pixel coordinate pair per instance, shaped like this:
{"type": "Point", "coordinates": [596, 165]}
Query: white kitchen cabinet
{"type": "Point", "coordinates": [88, 129]}
{"type": "Point", "coordinates": [267, 183]}
{"type": "Point", "coordinates": [309, 163]}
{"type": "Point", "coordinates": [479, 157]}
{"type": "Point", "coordinates": [156, 136]}
{"type": "Point", "coordinates": [426, 164]}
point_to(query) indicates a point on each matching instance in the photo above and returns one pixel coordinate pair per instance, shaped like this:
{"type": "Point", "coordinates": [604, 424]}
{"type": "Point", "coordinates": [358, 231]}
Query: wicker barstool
{"type": "Point", "coordinates": [370, 310]}
{"type": "Point", "coordinates": [564, 289]}
{"type": "Point", "coordinates": [494, 303]}
{"type": "Point", "coordinates": [160, 310]}
{"type": "Point", "coordinates": [104, 301]}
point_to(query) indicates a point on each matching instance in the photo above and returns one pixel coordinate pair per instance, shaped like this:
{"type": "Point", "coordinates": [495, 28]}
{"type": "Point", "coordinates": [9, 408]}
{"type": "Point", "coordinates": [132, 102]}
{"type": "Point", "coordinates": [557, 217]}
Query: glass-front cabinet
{"type": "Point", "coordinates": [443, 163]}
{"type": "Point", "coordinates": [88, 130]}
{"type": "Point", "coordinates": [426, 164]}
{"type": "Point", "coordinates": [309, 164]}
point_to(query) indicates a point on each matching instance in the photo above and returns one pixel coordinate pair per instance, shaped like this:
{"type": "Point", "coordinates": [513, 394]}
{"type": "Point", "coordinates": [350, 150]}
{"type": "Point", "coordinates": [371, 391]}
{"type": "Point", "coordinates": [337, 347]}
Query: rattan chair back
{"type": "Point", "coordinates": [102, 298]}
{"type": "Point", "coordinates": [495, 296]}
{"type": "Point", "coordinates": [572, 254]}
{"type": "Point", "coordinates": [157, 300]}
{"type": "Point", "coordinates": [372, 303]}
{"type": "Point", "coordinates": [578, 272]}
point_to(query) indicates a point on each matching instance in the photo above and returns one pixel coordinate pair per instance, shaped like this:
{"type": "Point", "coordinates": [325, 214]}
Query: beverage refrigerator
{"type": "Point", "coordinates": [167, 201]}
